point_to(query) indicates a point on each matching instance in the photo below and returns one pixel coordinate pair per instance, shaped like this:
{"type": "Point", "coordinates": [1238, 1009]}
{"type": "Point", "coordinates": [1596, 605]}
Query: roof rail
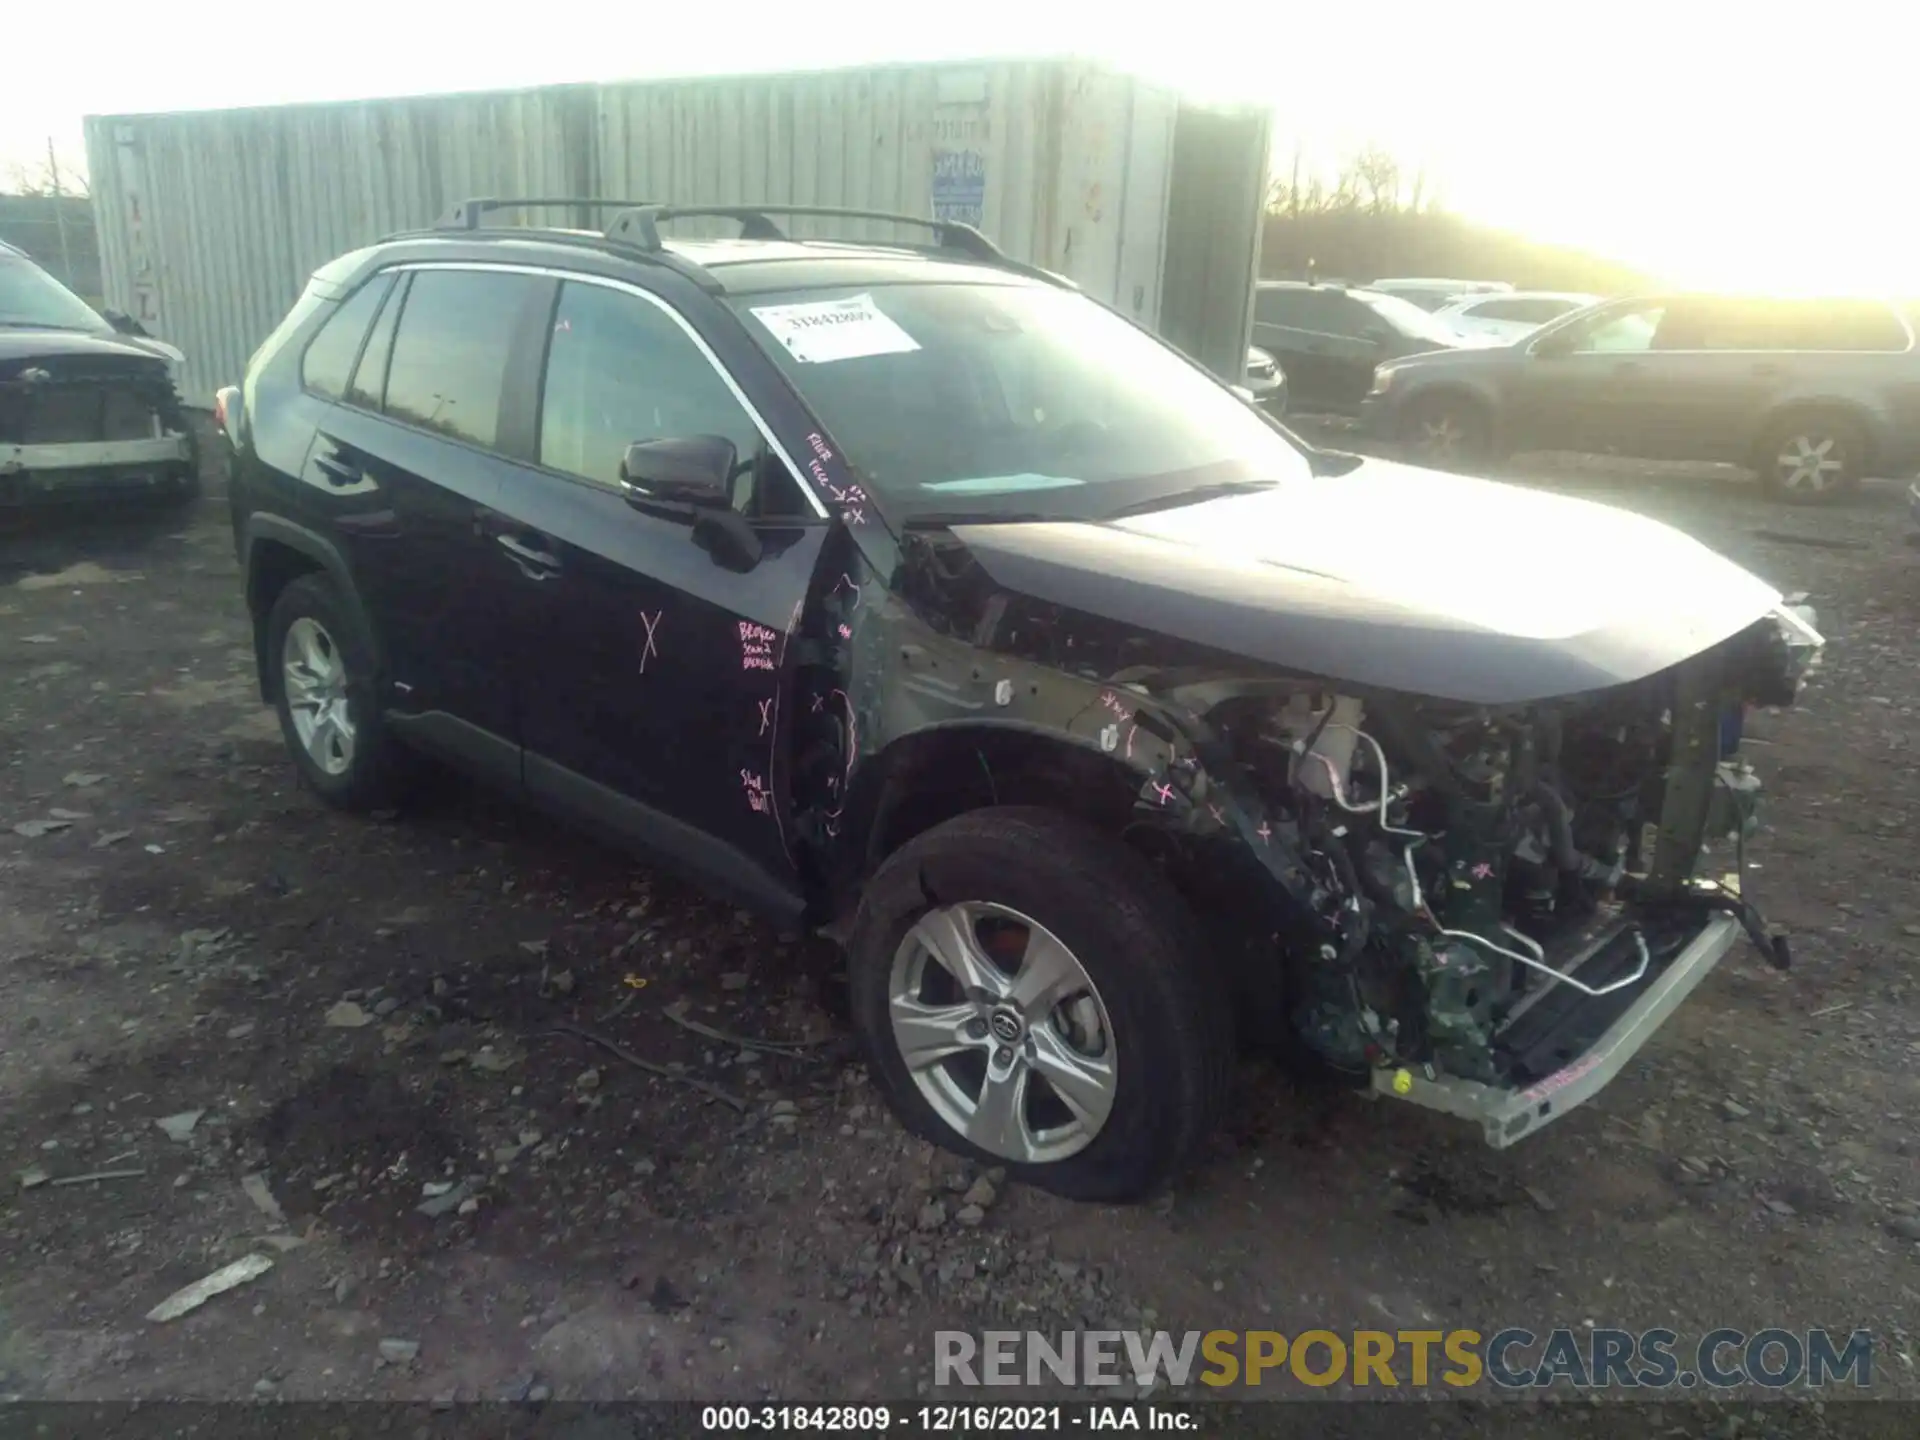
{"type": "Point", "coordinates": [639, 225]}
{"type": "Point", "coordinates": [466, 215]}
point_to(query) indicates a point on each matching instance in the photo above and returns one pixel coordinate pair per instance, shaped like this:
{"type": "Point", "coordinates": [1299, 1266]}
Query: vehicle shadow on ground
{"type": "Point", "coordinates": [47, 541]}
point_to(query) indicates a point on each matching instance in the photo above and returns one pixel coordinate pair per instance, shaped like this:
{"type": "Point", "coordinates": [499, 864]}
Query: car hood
{"type": "Point", "coordinates": [19, 347]}
{"type": "Point", "coordinates": [1397, 578]}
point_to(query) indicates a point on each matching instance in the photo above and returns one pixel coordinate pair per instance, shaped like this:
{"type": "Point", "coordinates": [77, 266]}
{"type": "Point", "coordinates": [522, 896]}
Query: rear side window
{"type": "Point", "coordinates": [369, 387]}
{"type": "Point", "coordinates": [451, 349]}
{"type": "Point", "coordinates": [1736, 324]}
{"type": "Point", "coordinates": [1327, 311]}
{"type": "Point", "coordinates": [330, 354]}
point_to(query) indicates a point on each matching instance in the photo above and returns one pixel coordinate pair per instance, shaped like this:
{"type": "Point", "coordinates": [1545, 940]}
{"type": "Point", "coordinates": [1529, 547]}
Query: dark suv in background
{"type": "Point", "coordinates": [904, 593]}
{"type": "Point", "coordinates": [1813, 395]}
{"type": "Point", "coordinates": [1329, 338]}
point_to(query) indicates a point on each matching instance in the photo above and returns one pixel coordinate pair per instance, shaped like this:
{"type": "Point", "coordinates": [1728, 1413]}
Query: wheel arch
{"type": "Point", "coordinates": [275, 552]}
{"type": "Point", "coordinates": [933, 773]}
{"type": "Point", "coordinates": [1802, 406]}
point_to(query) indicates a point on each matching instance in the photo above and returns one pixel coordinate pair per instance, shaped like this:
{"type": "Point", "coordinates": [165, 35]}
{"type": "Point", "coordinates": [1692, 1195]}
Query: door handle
{"type": "Point", "coordinates": [339, 473]}
{"type": "Point", "coordinates": [1766, 369]}
{"type": "Point", "coordinates": [535, 564]}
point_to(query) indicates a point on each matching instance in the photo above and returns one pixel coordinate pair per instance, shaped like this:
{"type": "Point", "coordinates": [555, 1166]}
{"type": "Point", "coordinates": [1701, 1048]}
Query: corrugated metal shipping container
{"type": "Point", "coordinates": [211, 221]}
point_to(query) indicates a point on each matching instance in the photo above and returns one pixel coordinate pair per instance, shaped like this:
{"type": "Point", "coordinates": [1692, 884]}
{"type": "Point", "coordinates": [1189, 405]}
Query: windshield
{"type": "Point", "coordinates": [30, 296]}
{"type": "Point", "coordinates": [1010, 401]}
{"type": "Point", "coordinates": [1406, 317]}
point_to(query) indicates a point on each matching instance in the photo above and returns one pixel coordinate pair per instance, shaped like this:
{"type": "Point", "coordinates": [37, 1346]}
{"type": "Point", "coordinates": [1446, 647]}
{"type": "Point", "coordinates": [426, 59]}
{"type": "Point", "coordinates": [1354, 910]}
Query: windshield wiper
{"type": "Point", "coordinates": [1190, 497]}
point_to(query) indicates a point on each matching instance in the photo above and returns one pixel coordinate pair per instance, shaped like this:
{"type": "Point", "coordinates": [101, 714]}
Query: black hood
{"type": "Point", "coordinates": [93, 350]}
{"type": "Point", "coordinates": [1400, 579]}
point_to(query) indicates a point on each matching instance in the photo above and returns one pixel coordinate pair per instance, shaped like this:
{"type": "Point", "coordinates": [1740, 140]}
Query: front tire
{"type": "Point", "coordinates": [1032, 994]}
{"type": "Point", "coordinates": [1446, 433]}
{"type": "Point", "coordinates": [325, 695]}
{"type": "Point", "coordinates": [1811, 459]}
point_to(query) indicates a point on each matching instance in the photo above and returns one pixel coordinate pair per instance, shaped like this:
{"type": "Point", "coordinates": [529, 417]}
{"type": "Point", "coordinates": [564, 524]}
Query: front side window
{"type": "Point", "coordinates": [330, 354]}
{"type": "Point", "coordinates": [1010, 401]}
{"type": "Point", "coordinates": [619, 370]}
{"type": "Point", "coordinates": [451, 350]}
{"type": "Point", "coordinates": [1621, 331]}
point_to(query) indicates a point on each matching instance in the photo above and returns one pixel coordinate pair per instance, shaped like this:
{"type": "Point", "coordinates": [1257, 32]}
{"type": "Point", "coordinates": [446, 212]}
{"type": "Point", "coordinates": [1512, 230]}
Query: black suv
{"type": "Point", "coordinates": [1328, 338]}
{"type": "Point", "coordinates": [904, 593]}
{"type": "Point", "coordinates": [1811, 394]}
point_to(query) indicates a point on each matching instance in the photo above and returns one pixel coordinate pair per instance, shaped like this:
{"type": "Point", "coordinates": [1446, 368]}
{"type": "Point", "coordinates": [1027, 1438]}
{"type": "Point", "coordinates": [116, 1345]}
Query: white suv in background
{"type": "Point", "coordinates": [1509, 316]}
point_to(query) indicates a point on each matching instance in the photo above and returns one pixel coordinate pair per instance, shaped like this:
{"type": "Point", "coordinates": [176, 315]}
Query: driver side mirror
{"type": "Point", "coordinates": [124, 324]}
{"type": "Point", "coordinates": [692, 477]}
{"type": "Point", "coordinates": [696, 471]}
{"type": "Point", "coordinates": [1555, 346]}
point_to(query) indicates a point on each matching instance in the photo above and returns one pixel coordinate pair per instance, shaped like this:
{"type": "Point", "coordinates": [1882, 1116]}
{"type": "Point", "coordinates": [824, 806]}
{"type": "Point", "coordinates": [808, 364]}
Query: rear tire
{"type": "Point", "coordinates": [1444, 432]}
{"type": "Point", "coordinates": [324, 693]}
{"type": "Point", "coordinates": [1811, 458]}
{"type": "Point", "coordinates": [1084, 969]}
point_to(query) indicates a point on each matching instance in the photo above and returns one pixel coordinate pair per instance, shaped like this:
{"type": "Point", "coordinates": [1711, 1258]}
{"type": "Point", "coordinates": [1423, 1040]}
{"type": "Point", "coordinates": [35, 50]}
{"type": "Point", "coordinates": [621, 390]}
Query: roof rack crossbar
{"type": "Point", "coordinates": [466, 215]}
{"type": "Point", "coordinates": [639, 225]}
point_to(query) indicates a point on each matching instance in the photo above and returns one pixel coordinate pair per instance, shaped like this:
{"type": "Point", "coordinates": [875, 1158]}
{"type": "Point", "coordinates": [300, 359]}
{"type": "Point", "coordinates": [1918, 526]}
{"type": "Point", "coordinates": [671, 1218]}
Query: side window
{"type": "Point", "coordinates": [1527, 312]}
{"type": "Point", "coordinates": [1622, 331]}
{"type": "Point", "coordinates": [1275, 307]}
{"type": "Point", "coordinates": [451, 348]}
{"type": "Point", "coordinates": [620, 369]}
{"type": "Point", "coordinates": [1851, 325]}
{"type": "Point", "coordinates": [330, 354]}
{"type": "Point", "coordinates": [369, 387]}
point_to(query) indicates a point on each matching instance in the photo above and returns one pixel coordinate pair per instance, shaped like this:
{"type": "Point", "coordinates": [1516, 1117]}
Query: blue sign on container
{"type": "Point", "coordinates": [960, 186]}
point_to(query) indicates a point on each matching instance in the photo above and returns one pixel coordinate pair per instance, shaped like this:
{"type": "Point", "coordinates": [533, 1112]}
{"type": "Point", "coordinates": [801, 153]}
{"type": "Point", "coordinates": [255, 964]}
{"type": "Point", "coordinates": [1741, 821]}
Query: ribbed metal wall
{"type": "Point", "coordinates": [211, 221]}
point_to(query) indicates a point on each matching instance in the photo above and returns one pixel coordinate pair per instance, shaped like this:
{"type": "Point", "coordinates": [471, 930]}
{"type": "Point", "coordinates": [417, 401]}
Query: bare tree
{"type": "Point", "coordinates": [52, 176]}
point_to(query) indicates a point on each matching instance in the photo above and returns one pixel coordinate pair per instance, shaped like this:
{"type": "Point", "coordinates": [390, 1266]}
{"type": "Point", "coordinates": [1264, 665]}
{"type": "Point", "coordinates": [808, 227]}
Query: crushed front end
{"type": "Point", "coordinates": [1493, 908]}
{"type": "Point", "coordinates": [73, 426]}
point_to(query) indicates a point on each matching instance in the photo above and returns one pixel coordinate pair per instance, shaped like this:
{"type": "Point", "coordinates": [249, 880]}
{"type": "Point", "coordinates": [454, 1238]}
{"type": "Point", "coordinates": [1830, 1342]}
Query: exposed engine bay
{"type": "Point", "coordinates": [1485, 889]}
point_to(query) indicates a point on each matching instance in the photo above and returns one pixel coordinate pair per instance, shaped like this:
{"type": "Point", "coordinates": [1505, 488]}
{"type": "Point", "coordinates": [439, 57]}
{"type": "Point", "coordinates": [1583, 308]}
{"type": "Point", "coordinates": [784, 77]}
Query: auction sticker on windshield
{"type": "Point", "coordinates": [829, 330]}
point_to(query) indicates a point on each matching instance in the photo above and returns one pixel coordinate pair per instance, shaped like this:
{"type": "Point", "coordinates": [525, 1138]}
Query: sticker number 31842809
{"type": "Point", "coordinates": [821, 332]}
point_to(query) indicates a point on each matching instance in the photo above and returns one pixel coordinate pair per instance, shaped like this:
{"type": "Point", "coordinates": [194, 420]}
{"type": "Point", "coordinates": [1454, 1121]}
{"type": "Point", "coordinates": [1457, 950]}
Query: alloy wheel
{"type": "Point", "coordinates": [314, 677]}
{"type": "Point", "coordinates": [1003, 1031]}
{"type": "Point", "coordinates": [1811, 462]}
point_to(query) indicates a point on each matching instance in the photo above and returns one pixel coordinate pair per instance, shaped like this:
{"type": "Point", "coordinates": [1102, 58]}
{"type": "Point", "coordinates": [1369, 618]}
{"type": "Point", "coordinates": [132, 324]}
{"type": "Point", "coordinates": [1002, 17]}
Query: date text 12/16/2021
{"type": "Point", "coordinates": [950, 1419]}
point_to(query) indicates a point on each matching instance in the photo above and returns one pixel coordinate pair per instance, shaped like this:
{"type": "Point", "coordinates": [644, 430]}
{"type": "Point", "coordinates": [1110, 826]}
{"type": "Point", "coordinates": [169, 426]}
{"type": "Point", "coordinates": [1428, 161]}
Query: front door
{"type": "Point", "coordinates": [650, 675]}
{"type": "Point", "coordinates": [1578, 386]}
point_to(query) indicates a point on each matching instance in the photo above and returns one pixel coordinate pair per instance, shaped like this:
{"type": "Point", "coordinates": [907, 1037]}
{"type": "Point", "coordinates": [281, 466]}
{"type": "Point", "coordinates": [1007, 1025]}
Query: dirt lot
{"type": "Point", "coordinates": [462, 1194]}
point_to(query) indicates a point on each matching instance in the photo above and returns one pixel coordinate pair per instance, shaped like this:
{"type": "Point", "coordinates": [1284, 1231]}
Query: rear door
{"type": "Point", "coordinates": [414, 456]}
{"type": "Point", "coordinates": [1318, 335]}
{"type": "Point", "coordinates": [650, 674]}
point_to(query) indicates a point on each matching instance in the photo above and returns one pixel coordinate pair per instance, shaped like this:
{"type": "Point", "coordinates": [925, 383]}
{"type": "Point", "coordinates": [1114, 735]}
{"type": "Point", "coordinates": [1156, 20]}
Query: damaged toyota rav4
{"type": "Point", "coordinates": [905, 594]}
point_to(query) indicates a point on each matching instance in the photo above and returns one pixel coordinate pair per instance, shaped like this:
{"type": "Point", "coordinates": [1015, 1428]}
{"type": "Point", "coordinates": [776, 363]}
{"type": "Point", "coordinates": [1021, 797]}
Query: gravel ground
{"type": "Point", "coordinates": [393, 1057]}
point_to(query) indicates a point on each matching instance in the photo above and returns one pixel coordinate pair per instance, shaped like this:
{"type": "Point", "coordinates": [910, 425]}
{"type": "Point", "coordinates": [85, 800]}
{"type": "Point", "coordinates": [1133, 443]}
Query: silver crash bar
{"type": "Point", "coordinates": [1505, 1116]}
{"type": "Point", "coordinates": [88, 453]}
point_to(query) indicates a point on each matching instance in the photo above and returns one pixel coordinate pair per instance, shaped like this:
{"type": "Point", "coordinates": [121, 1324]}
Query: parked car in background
{"type": "Point", "coordinates": [1430, 293]}
{"type": "Point", "coordinates": [1811, 394]}
{"type": "Point", "coordinates": [1328, 338]}
{"type": "Point", "coordinates": [1266, 382]}
{"type": "Point", "coordinates": [902, 593]}
{"type": "Point", "coordinates": [88, 404]}
{"type": "Point", "coordinates": [1509, 317]}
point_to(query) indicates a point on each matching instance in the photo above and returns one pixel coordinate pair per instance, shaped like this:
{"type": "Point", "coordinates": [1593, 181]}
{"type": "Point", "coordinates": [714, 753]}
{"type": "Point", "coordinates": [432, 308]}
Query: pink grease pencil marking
{"type": "Point", "coordinates": [652, 622]}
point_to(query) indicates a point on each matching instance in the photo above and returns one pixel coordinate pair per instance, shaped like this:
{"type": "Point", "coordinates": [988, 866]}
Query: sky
{"type": "Point", "coordinates": [1722, 146]}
